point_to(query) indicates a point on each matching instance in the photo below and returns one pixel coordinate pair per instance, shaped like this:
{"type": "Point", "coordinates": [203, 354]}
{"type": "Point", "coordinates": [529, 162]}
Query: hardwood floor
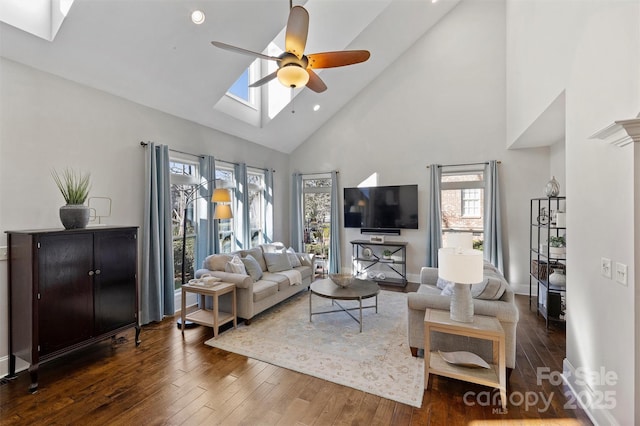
{"type": "Point", "coordinates": [171, 380]}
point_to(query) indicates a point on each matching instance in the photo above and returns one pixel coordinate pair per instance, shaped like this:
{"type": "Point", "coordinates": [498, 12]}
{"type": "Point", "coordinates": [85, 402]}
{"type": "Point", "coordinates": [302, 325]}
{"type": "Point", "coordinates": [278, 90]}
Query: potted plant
{"type": "Point", "coordinates": [557, 246]}
{"type": "Point", "coordinates": [74, 187]}
{"type": "Point", "coordinates": [386, 254]}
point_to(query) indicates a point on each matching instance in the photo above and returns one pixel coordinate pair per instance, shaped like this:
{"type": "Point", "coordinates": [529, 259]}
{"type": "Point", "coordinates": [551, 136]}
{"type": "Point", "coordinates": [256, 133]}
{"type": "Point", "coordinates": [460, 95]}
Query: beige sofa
{"type": "Point", "coordinates": [502, 307]}
{"type": "Point", "coordinates": [260, 290]}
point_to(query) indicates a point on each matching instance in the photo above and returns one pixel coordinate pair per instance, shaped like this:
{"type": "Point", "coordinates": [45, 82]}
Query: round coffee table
{"type": "Point", "coordinates": [358, 290]}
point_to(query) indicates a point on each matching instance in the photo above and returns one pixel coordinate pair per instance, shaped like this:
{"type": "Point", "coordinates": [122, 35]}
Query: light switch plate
{"type": "Point", "coordinates": [621, 273]}
{"type": "Point", "coordinates": [605, 267]}
{"type": "Point", "coordinates": [4, 253]}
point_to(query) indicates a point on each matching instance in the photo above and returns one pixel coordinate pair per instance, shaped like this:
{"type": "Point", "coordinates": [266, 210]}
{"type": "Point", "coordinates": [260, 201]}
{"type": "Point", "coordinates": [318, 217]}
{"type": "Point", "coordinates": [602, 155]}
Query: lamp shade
{"type": "Point", "coordinates": [463, 240]}
{"type": "Point", "coordinates": [222, 211]}
{"type": "Point", "coordinates": [460, 266]}
{"type": "Point", "coordinates": [293, 75]}
{"type": "Point", "coordinates": [221, 195]}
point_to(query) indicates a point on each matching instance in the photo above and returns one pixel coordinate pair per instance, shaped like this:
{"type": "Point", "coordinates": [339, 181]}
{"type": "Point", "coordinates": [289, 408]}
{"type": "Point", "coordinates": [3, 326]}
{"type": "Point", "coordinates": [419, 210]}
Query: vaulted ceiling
{"type": "Point", "coordinates": [149, 51]}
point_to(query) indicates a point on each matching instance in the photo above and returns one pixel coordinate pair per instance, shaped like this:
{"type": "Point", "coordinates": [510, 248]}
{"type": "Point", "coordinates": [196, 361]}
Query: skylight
{"type": "Point", "coordinates": [42, 18]}
{"type": "Point", "coordinates": [240, 88]}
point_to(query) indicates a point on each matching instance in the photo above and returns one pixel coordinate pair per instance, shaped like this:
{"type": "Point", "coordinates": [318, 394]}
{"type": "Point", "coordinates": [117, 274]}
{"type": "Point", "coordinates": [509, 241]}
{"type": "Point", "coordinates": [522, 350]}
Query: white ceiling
{"type": "Point", "coordinates": [149, 51]}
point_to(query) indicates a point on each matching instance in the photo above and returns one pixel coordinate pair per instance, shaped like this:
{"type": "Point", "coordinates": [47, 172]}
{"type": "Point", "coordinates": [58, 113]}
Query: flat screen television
{"type": "Point", "coordinates": [381, 207]}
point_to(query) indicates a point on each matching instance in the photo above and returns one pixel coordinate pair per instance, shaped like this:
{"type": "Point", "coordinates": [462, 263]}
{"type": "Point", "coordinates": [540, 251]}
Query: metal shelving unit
{"type": "Point", "coordinates": [397, 265]}
{"type": "Point", "coordinates": [549, 297]}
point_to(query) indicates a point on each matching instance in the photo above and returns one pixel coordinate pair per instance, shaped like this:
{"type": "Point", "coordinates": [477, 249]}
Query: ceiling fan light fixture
{"type": "Point", "coordinates": [292, 75]}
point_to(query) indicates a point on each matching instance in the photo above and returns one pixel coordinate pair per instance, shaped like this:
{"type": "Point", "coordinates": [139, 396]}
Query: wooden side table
{"type": "Point", "coordinates": [482, 327]}
{"type": "Point", "coordinates": [210, 318]}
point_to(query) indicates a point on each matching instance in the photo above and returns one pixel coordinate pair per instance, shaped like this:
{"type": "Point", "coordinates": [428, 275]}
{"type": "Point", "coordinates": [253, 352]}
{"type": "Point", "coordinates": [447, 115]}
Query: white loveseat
{"type": "Point", "coordinates": [265, 285]}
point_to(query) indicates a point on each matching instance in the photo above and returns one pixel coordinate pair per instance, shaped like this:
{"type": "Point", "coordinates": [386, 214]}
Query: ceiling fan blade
{"type": "Point", "coordinates": [264, 80]}
{"type": "Point", "coordinates": [297, 29]}
{"type": "Point", "coordinates": [337, 59]}
{"type": "Point", "coordinates": [315, 82]}
{"type": "Point", "coordinates": [231, 48]}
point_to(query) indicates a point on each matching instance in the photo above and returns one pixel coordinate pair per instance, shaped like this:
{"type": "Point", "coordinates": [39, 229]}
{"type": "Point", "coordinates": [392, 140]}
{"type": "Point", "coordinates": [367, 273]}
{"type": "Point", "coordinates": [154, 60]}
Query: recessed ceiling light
{"type": "Point", "coordinates": [197, 16]}
{"type": "Point", "coordinates": [316, 107]}
{"type": "Point", "coordinates": [434, 1]}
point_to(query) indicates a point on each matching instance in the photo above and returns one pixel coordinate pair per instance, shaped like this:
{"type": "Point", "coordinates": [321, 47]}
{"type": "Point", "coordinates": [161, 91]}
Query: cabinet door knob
{"type": "Point", "coordinates": [97, 271]}
{"type": "Point", "coordinates": [90, 273]}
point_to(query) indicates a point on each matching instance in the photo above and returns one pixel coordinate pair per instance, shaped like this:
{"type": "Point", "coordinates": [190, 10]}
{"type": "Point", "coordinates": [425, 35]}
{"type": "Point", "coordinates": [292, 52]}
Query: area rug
{"type": "Point", "coordinates": [331, 347]}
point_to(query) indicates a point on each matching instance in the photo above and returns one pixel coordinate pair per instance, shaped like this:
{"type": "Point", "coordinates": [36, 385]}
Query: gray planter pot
{"type": "Point", "coordinates": [74, 216]}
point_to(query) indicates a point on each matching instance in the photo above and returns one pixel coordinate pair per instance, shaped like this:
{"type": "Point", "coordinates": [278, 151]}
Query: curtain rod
{"type": "Point", "coordinates": [142, 143]}
{"type": "Point", "coordinates": [465, 164]}
{"type": "Point", "coordinates": [319, 173]}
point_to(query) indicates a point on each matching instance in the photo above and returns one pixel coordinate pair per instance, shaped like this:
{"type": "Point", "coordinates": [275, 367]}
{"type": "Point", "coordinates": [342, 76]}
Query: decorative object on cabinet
{"type": "Point", "coordinates": [547, 243]}
{"type": "Point", "coordinates": [368, 267]}
{"type": "Point", "coordinates": [558, 278]}
{"type": "Point", "coordinates": [97, 266]}
{"type": "Point", "coordinates": [463, 268]}
{"type": "Point", "coordinates": [386, 254]}
{"type": "Point", "coordinates": [553, 188]}
{"type": "Point", "coordinates": [367, 253]}
{"type": "Point", "coordinates": [557, 246]}
{"type": "Point", "coordinates": [74, 187]}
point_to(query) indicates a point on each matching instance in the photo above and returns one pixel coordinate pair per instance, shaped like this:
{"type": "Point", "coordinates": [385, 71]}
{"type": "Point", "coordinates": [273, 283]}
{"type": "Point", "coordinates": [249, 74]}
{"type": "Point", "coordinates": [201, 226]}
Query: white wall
{"type": "Point", "coordinates": [597, 60]}
{"type": "Point", "coordinates": [444, 102]}
{"type": "Point", "coordinates": [48, 122]}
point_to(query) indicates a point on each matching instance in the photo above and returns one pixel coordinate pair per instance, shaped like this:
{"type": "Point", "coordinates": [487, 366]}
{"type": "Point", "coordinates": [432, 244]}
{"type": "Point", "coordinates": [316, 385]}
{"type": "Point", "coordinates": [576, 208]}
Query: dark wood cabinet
{"type": "Point", "coordinates": [69, 289]}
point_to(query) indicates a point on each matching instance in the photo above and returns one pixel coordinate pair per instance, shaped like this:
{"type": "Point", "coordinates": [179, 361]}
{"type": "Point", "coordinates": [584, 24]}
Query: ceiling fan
{"type": "Point", "coordinates": [295, 69]}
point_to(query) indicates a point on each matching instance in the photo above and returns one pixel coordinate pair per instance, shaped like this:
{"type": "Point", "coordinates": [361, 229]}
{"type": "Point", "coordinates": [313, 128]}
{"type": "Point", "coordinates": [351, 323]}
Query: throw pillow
{"type": "Point", "coordinates": [253, 267]}
{"type": "Point", "coordinates": [305, 259]}
{"type": "Point", "coordinates": [442, 283]}
{"type": "Point", "coordinates": [277, 262]}
{"type": "Point", "coordinates": [491, 288]}
{"type": "Point", "coordinates": [216, 262]}
{"type": "Point", "coordinates": [273, 248]}
{"type": "Point", "coordinates": [293, 258]}
{"type": "Point", "coordinates": [235, 266]}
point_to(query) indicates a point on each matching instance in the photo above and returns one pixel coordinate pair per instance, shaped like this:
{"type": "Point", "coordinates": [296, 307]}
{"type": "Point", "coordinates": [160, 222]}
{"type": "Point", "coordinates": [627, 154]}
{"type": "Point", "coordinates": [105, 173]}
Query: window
{"type": "Point", "coordinates": [462, 200]}
{"type": "Point", "coordinates": [255, 180]}
{"type": "Point", "coordinates": [317, 215]}
{"type": "Point", "coordinates": [184, 178]}
{"type": "Point", "coordinates": [225, 178]}
{"type": "Point", "coordinates": [471, 202]}
{"type": "Point", "coordinates": [240, 90]}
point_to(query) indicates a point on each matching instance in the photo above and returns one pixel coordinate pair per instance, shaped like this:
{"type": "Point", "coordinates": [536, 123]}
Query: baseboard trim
{"type": "Point", "coordinates": [4, 365]}
{"type": "Point", "coordinates": [524, 289]}
{"type": "Point", "coordinates": [579, 390]}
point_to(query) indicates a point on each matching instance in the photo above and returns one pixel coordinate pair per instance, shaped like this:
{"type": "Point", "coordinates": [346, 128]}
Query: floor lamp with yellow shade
{"type": "Point", "coordinates": [222, 198]}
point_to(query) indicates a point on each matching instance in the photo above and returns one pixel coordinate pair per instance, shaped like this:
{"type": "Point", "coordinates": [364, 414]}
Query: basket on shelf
{"type": "Point", "coordinates": [541, 270]}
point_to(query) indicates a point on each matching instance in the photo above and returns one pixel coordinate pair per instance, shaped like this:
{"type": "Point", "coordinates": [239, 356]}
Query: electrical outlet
{"type": "Point", "coordinates": [621, 273]}
{"type": "Point", "coordinates": [4, 253]}
{"type": "Point", "coordinates": [605, 267]}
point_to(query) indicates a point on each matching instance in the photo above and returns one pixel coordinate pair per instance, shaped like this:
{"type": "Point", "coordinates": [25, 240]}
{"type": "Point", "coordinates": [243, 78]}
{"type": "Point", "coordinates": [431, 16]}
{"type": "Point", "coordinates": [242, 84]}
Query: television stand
{"type": "Point", "coordinates": [370, 262]}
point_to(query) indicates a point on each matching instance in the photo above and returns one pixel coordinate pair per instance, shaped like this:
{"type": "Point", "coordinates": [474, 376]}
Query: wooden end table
{"type": "Point", "coordinates": [210, 318]}
{"type": "Point", "coordinates": [482, 327]}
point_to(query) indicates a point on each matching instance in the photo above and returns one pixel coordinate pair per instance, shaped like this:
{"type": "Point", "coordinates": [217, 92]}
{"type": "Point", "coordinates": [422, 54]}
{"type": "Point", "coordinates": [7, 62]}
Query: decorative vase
{"type": "Point", "coordinates": [558, 278]}
{"type": "Point", "coordinates": [553, 188]}
{"type": "Point", "coordinates": [74, 216]}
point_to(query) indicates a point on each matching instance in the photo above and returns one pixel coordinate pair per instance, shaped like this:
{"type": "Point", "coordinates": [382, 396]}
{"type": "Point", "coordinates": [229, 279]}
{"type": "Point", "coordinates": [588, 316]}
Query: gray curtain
{"type": "Point", "coordinates": [334, 243]}
{"type": "Point", "coordinates": [157, 278]}
{"type": "Point", "coordinates": [268, 206]}
{"type": "Point", "coordinates": [297, 231]}
{"type": "Point", "coordinates": [241, 211]}
{"type": "Point", "coordinates": [434, 216]}
{"type": "Point", "coordinates": [206, 241]}
{"type": "Point", "coordinates": [492, 246]}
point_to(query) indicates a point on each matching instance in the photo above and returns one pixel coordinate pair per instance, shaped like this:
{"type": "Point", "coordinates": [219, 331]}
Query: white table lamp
{"type": "Point", "coordinates": [463, 268]}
